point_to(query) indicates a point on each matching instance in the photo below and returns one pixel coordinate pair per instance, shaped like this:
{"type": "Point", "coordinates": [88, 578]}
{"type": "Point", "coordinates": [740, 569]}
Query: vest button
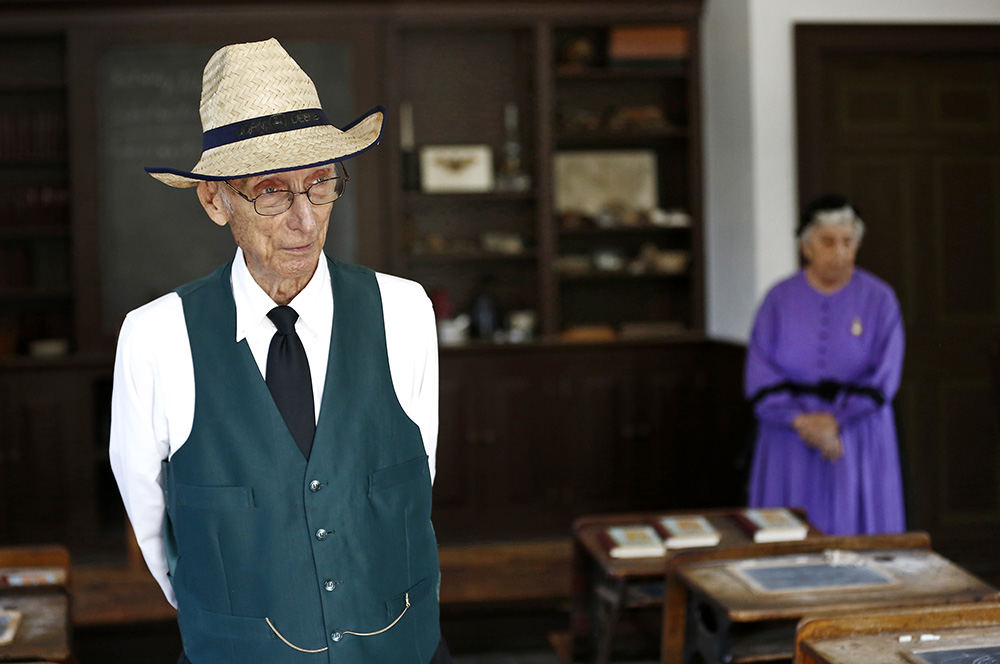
{"type": "Point", "coordinates": [321, 534]}
{"type": "Point", "coordinates": [315, 486]}
{"type": "Point", "coordinates": [329, 585]}
{"type": "Point", "coordinates": [336, 636]}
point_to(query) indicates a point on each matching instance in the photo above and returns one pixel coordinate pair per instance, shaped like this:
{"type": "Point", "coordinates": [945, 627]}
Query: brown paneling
{"type": "Point", "coordinates": [552, 432]}
{"type": "Point", "coordinates": [969, 420]}
{"type": "Point", "coordinates": [966, 223]}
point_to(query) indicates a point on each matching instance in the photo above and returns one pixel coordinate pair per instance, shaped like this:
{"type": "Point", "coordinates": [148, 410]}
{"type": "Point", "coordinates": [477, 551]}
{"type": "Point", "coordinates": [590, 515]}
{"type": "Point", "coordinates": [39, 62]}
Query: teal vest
{"type": "Point", "coordinates": [271, 548]}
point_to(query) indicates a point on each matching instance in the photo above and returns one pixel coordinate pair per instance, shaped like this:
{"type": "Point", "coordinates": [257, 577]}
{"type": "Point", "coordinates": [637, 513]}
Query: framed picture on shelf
{"type": "Point", "coordinates": [591, 182]}
{"type": "Point", "coordinates": [456, 168]}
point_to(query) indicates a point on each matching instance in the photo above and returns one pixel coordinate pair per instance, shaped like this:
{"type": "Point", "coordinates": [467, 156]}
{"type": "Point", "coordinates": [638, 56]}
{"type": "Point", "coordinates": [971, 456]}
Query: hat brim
{"type": "Point", "coordinates": [279, 152]}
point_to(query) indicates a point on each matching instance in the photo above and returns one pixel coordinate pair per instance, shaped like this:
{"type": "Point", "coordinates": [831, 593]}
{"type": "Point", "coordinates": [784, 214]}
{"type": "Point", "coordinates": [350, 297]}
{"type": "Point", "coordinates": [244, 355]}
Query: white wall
{"type": "Point", "coordinates": [750, 180]}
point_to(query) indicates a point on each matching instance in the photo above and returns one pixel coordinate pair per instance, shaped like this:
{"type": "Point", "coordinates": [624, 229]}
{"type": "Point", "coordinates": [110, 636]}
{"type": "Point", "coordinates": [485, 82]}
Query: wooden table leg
{"type": "Point", "coordinates": [614, 598]}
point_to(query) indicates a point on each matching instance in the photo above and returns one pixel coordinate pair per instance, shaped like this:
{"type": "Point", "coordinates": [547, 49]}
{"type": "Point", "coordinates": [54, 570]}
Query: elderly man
{"type": "Point", "coordinates": [274, 423]}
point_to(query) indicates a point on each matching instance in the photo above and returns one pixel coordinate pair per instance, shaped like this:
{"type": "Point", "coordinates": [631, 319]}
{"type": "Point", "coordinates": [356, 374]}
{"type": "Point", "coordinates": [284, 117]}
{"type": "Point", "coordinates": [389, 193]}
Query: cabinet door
{"type": "Point", "coordinates": [456, 447]}
{"type": "Point", "coordinates": [518, 457]}
{"type": "Point", "coordinates": [669, 409]}
{"type": "Point", "coordinates": [47, 452]}
{"type": "Point", "coordinates": [596, 419]}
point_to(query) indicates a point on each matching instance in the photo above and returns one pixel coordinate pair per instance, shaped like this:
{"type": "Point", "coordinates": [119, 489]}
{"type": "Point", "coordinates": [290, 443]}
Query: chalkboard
{"type": "Point", "coordinates": [812, 576]}
{"type": "Point", "coordinates": [154, 237]}
{"type": "Point", "coordinates": [985, 655]}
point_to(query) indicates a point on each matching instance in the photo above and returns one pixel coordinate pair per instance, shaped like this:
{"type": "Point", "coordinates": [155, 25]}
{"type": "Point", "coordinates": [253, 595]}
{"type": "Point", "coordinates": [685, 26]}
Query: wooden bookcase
{"type": "Point", "coordinates": [35, 274]}
{"type": "Point", "coordinates": [457, 72]}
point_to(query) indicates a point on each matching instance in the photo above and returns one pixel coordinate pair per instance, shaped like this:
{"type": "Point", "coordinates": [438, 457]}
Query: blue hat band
{"type": "Point", "coordinates": [262, 126]}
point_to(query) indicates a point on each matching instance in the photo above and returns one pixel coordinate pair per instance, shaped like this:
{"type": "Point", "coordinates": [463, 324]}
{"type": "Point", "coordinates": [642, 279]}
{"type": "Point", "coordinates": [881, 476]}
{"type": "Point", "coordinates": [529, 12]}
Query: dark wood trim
{"type": "Point", "coordinates": [695, 178]}
{"type": "Point", "coordinates": [544, 141]}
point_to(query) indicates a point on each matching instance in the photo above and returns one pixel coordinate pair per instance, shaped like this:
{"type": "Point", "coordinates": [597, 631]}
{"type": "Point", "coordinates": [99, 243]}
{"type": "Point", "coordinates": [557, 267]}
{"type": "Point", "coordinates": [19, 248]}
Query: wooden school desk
{"type": "Point", "coordinates": [885, 637]}
{"type": "Point", "coordinates": [742, 606]}
{"type": "Point", "coordinates": [44, 632]}
{"type": "Point", "coordinates": [604, 587]}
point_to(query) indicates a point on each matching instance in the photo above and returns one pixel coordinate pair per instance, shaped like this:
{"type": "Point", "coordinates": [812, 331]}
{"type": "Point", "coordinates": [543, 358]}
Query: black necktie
{"type": "Point", "coordinates": [289, 380]}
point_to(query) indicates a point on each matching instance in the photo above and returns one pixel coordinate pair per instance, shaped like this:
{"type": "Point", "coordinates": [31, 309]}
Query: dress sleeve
{"type": "Point", "coordinates": [136, 451]}
{"type": "Point", "coordinates": [776, 406]}
{"type": "Point", "coordinates": [881, 380]}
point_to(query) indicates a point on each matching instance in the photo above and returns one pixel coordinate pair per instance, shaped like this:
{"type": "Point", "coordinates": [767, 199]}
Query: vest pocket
{"type": "Point", "coordinates": [390, 476]}
{"type": "Point", "coordinates": [222, 638]}
{"type": "Point", "coordinates": [214, 497]}
{"type": "Point", "coordinates": [416, 595]}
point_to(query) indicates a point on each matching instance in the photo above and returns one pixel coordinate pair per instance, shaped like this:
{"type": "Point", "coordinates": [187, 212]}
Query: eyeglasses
{"type": "Point", "coordinates": [321, 192]}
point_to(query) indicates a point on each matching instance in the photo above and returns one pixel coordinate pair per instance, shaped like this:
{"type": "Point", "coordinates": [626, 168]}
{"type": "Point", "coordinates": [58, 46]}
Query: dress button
{"type": "Point", "coordinates": [315, 486]}
{"type": "Point", "coordinates": [321, 534]}
{"type": "Point", "coordinates": [329, 585]}
{"type": "Point", "coordinates": [822, 349]}
{"type": "Point", "coordinates": [336, 636]}
{"type": "Point", "coordinates": [823, 335]}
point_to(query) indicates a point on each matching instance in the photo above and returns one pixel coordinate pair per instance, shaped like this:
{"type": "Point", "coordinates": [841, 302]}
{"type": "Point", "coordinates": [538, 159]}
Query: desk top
{"type": "Point", "coordinates": [917, 576]}
{"type": "Point", "coordinates": [894, 647]}
{"type": "Point", "coordinates": [588, 533]}
{"type": "Point", "coordinates": [44, 630]}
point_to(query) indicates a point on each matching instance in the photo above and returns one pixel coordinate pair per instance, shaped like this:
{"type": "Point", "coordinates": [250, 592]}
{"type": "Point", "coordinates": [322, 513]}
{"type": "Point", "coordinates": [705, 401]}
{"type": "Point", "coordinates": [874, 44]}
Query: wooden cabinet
{"type": "Point", "coordinates": [533, 436]}
{"type": "Point", "coordinates": [634, 265]}
{"type": "Point", "coordinates": [55, 481]}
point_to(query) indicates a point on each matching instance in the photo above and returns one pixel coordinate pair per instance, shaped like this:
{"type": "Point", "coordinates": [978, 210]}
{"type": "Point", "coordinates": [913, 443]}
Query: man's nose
{"type": "Point", "coordinates": [300, 215]}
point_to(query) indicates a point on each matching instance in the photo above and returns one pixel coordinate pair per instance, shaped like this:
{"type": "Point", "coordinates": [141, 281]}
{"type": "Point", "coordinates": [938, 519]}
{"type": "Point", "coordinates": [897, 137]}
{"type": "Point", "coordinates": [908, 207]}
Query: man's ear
{"type": "Point", "coordinates": [210, 195]}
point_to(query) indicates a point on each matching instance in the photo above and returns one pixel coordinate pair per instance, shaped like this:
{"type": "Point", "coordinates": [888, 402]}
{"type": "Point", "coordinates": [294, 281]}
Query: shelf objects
{"type": "Point", "coordinates": [602, 182]}
{"type": "Point", "coordinates": [456, 168]}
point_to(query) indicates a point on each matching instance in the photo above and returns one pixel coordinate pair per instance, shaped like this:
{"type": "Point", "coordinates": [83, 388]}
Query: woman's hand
{"type": "Point", "coordinates": [820, 430]}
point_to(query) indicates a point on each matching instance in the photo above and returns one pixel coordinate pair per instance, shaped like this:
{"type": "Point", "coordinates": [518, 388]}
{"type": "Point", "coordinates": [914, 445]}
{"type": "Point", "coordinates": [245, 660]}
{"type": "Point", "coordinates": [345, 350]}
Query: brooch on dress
{"type": "Point", "coordinates": [856, 328]}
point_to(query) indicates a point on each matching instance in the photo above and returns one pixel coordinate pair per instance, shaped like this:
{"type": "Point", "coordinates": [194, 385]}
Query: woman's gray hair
{"type": "Point", "coordinates": [842, 215]}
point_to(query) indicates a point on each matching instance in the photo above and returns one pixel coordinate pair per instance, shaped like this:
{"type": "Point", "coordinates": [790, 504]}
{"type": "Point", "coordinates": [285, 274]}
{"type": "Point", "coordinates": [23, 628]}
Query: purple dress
{"type": "Point", "coordinates": [841, 354]}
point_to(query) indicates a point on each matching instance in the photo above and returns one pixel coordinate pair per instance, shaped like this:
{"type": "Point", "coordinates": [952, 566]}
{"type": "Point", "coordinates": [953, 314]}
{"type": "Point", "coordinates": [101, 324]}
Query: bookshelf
{"type": "Point", "coordinates": [35, 260]}
{"type": "Point", "coordinates": [576, 95]}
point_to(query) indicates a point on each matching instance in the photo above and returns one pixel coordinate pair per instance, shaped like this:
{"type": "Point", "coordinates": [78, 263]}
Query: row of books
{"type": "Point", "coordinates": [32, 136]}
{"type": "Point", "coordinates": [648, 540]}
{"type": "Point", "coordinates": [34, 205]}
{"type": "Point", "coordinates": [39, 265]}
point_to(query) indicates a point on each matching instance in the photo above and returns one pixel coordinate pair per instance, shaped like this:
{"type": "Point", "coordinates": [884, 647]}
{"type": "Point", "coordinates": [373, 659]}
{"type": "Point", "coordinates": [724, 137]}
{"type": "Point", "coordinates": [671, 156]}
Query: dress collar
{"type": "Point", "coordinates": [314, 303]}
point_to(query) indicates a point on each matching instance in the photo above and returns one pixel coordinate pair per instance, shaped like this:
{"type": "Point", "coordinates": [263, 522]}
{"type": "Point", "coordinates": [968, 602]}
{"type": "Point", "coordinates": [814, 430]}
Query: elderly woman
{"type": "Point", "coordinates": [823, 366]}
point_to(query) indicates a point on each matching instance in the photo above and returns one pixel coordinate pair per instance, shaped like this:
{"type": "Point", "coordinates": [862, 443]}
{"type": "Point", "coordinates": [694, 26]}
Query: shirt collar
{"type": "Point", "coordinates": [314, 303]}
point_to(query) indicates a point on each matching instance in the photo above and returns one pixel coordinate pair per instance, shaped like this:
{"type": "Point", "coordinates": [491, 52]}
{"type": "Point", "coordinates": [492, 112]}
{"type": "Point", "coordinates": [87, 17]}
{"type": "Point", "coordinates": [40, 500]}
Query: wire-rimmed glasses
{"type": "Point", "coordinates": [321, 192]}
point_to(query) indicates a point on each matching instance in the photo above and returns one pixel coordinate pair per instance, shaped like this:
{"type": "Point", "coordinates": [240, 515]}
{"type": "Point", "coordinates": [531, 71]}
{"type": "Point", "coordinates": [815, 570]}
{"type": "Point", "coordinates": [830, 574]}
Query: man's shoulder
{"type": "Point", "coordinates": [401, 293]}
{"type": "Point", "coordinates": [153, 329]}
{"type": "Point", "coordinates": [162, 310]}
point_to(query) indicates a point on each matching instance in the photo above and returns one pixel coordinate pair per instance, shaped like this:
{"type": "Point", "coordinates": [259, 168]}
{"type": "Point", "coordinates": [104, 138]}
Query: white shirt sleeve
{"type": "Point", "coordinates": [411, 343]}
{"type": "Point", "coordinates": [141, 418]}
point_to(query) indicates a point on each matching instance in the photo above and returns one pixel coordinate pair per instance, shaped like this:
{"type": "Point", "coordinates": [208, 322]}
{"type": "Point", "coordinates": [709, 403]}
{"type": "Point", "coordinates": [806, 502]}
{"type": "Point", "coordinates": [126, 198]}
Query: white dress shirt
{"type": "Point", "coordinates": [152, 403]}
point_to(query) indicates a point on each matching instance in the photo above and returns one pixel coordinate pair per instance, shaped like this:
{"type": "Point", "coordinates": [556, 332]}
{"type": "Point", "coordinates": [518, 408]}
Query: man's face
{"type": "Point", "coordinates": [286, 246]}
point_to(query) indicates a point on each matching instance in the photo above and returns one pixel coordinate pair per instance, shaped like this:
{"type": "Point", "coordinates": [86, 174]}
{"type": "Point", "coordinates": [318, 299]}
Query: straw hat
{"type": "Point", "coordinates": [260, 114]}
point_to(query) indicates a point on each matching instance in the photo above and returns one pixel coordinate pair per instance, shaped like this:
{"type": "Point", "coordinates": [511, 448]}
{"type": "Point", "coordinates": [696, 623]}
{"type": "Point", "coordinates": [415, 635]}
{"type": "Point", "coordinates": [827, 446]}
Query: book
{"type": "Point", "coordinates": [9, 621]}
{"type": "Point", "coordinates": [682, 532]}
{"type": "Point", "coordinates": [637, 43]}
{"type": "Point", "coordinates": [771, 524]}
{"type": "Point", "coordinates": [16, 577]}
{"type": "Point", "coordinates": [637, 541]}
